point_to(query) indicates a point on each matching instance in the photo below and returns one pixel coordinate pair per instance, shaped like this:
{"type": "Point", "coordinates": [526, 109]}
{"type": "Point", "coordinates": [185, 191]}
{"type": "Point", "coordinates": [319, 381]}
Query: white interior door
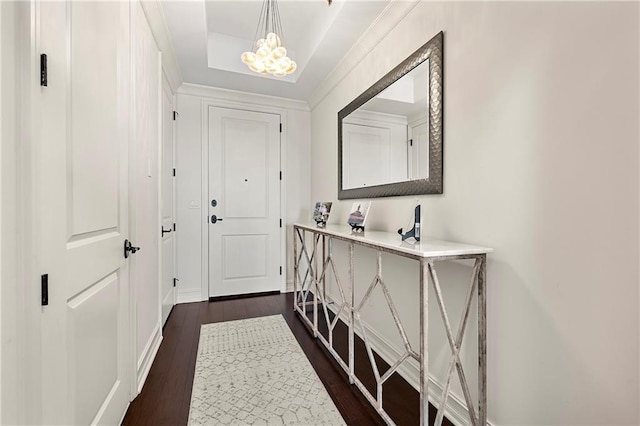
{"type": "Point", "coordinates": [168, 218]}
{"type": "Point", "coordinates": [83, 213]}
{"type": "Point", "coordinates": [244, 196]}
{"type": "Point", "coordinates": [367, 152]}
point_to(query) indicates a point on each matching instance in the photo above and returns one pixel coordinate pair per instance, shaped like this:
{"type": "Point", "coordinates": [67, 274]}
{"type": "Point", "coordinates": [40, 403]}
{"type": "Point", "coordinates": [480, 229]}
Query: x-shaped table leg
{"type": "Point", "coordinates": [304, 293]}
{"type": "Point", "coordinates": [455, 344]}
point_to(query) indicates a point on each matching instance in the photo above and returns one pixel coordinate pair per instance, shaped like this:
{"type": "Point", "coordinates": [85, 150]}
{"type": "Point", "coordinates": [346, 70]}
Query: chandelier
{"type": "Point", "coordinates": [268, 55]}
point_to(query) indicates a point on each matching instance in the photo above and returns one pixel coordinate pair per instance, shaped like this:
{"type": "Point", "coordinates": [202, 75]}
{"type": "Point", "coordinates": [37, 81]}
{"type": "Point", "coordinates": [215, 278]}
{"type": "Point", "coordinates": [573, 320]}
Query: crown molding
{"type": "Point", "coordinates": [155, 17]}
{"type": "Point", "coordinates": [390, 17]}
{"type": "Point", "coordinates": [242, 97]}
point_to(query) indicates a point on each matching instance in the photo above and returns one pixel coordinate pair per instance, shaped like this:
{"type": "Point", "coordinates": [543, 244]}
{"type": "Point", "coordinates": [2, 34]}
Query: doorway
{"type": "Point", "coordinates": [244, 218]}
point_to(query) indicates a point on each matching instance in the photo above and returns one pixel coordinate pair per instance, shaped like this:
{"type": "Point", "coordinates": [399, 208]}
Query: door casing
{"type": "Point", "coordinates": [167, 91]}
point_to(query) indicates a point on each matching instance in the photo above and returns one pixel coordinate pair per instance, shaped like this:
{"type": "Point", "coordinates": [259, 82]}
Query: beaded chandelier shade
{"type": "Point", "coordinates": [267, 54]}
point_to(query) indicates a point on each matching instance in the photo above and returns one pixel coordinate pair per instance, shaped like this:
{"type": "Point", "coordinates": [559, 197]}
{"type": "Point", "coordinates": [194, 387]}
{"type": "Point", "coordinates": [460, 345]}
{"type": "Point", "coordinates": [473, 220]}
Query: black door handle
{"type": "Point", "coordinates": [128, 247]}
{"type": "Point", "coordinates": [165, 231]}
{"type": "Point", "coordinates": [215, 219]}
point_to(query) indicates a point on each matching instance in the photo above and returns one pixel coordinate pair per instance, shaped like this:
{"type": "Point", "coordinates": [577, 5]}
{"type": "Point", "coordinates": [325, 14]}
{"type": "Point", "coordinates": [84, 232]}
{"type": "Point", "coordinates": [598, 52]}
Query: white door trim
{"type": "Point", "coordinates": [141, 365]}
{"type": "Point", "coordinates": [20, 315]}
{"type": "Point", "coordinates": [243, 106]}
{"type": "Point", "coordinates": [165, 87]}
{"type": "Point", "coordinates": [133, 318]}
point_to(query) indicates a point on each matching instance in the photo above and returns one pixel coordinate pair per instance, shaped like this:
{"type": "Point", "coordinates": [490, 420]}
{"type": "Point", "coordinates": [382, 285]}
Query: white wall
{"type": "Point", "coordinates": [541, 163]}
{"type": "Point", "coordinates": [191, 221]}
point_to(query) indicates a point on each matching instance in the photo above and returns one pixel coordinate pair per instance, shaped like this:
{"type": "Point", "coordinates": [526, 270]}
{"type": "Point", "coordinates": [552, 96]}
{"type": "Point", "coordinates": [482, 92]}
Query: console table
{"type": "Point", "coordinates": [310, 291]}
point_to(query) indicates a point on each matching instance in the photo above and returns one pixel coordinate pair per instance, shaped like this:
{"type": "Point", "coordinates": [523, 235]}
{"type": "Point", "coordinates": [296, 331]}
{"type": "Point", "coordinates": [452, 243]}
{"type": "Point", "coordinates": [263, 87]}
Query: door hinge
{"type": "Point", "coordinates": [44, 283]}
{"type": "Point", "coordinates": [281, 270]}
{"type": "Point", "coordinates": [174, 227]}
{"type": "Point", "coordinates": [280, 223]}
{"type": "Point", "coordinates": [280, 127]}
{"type": "Point", "coordinates": [174, 172]}
{"type": "Point", "coordinates": [410, 142]}
{"type": "Point", "coordinates": [175, 281]}
{"type": "Point", "coordinates": [175, 114]}
{"type": "Point", "coordinates": [43, 69]}
{"type": "Point", "coordinates": [280, 174]}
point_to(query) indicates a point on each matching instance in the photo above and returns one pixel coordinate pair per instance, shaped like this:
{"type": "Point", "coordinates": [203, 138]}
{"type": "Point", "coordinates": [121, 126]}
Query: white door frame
{"type": "Point", "coordinates": [243, 106]}
{"type": "Point", "coordinates": [165, 85]}
{"type": "Point", "coordinates": [137, 380]}
{"type": "Point", "coordinates": [21, 314]}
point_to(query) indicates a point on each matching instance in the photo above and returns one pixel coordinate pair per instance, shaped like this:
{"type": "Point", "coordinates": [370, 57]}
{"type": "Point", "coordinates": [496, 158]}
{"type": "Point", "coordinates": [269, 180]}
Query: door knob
{"type": "Point", "coordinates": [164, 231]}
{"type": "Point", "coordinates": [215, 219]}
{"type": "Point", "coordinates": [129, 248]}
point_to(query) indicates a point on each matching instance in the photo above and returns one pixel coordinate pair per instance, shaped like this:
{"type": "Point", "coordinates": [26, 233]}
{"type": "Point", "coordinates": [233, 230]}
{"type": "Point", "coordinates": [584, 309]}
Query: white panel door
{"type": "Point", "coordinates": [367, 152]}
{"type": "Point", "coordinates": [83, 211]}
{"type": "Point", "coordinates": [244, 181]}
{"type": "Point", "coordinates": [167, 204]}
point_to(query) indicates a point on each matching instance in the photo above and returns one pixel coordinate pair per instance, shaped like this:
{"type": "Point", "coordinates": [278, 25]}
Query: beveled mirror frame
{"type": "Point", "coordinates": [432, 51]}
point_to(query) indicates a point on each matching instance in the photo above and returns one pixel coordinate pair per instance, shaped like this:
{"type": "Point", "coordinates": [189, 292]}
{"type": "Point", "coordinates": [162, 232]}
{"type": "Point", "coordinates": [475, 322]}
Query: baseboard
{"type": "Point", "coordinates": [456, 409]}
{"type": "Point", "coordinates": [242, 296]}
{"type": "Point", "coordinates": [148, 355]}
{"type": "Point", "coordinates": [189, 296]}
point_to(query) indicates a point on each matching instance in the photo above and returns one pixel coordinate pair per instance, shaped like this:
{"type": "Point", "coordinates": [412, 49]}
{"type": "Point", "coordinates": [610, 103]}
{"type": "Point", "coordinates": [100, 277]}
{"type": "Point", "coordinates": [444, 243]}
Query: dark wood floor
{"type": "Point", "coordinates": [166, 395]}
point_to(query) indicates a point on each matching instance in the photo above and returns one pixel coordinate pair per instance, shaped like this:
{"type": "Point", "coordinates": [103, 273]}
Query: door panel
{"type": "Point", "coordinates": [82, 185]}
{"type": "Point", "coordinates": [245, 256]}
{"type": "Point", "coordinates": [94, 312]}
{"type": "Point", "coordinates": [367, 151]}
{"type": "Point", "coordinates": [245, 166]}
{"type": "Point", "coordinates": [244, 169]}
{"type": "Point", "coordinates": [168, 215]}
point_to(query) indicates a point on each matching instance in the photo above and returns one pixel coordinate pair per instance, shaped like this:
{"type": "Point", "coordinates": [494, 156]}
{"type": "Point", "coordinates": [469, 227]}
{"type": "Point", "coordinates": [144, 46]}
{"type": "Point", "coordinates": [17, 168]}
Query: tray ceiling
{"type": "Point", "coordinates": [208, 38]}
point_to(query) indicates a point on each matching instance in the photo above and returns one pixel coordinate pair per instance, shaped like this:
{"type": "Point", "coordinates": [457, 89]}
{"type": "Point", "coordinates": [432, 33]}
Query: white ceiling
{"type": "Point", "coordinates": [209, 36]}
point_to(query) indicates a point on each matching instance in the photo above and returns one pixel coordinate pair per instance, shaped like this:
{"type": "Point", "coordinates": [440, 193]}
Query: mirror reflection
{"type": "Point", "coordinates": [386, 140]}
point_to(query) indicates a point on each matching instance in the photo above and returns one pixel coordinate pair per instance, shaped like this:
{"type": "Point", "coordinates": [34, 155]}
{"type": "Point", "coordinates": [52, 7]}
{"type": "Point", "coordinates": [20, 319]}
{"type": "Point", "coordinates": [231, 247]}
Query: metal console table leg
{"type": "Point", "coordinates": [315, 281]}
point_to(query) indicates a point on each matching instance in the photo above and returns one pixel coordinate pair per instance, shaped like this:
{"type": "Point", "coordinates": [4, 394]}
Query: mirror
{"type": "Point", "coordinates": [390, 137]}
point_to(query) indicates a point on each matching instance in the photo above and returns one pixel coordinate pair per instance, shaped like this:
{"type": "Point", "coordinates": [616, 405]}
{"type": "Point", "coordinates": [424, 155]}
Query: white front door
{"type": "Point", "coordinates": [244, 202]}
{"type": "Point", "coordinates": [168, 219]}
{"type": "Point", "coordinates": [82, 120]}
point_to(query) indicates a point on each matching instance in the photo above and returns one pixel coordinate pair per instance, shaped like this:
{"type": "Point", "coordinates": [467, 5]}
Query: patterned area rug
{"type": "Point", "coordinates": [254, 372]}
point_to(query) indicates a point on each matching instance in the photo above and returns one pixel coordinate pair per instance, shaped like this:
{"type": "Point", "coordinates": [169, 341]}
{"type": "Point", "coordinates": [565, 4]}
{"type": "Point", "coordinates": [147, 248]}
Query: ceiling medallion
{"type": "Point", "coordinates": [268, 55]}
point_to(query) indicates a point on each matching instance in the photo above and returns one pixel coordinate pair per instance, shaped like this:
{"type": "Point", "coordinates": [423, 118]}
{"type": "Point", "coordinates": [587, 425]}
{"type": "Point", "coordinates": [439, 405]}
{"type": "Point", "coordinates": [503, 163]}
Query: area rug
{"type": "Point", "coordinates": [254, 372]}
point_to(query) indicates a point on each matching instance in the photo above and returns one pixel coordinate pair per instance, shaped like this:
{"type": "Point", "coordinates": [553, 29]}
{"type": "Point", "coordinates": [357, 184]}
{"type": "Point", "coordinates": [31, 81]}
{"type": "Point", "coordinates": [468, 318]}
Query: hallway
{"type": "Point", "coordinates": [165, 398]}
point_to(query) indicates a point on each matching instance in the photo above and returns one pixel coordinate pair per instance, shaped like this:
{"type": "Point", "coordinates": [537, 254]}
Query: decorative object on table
{"type": "Point", "coordinates": [321, 213]}
{"type": "Point", "coordinates": [358, 215]}
{"type": "Point", "coordinates": [415, 231]}
{"type": "Point", "coordinates": [267, 54]}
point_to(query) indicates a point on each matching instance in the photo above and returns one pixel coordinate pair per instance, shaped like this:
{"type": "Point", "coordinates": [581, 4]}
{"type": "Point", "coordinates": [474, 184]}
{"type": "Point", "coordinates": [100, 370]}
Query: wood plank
{"type": "Point", "coordinates": [166, 396]}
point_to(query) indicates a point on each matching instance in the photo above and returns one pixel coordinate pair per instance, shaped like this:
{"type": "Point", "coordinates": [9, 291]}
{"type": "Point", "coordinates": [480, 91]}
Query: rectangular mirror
{"type": "Point", "coordinates": [390, 137]}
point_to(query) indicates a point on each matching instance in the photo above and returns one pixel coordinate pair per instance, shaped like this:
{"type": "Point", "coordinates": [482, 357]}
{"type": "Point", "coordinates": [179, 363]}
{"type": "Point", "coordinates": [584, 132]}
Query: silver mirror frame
{"type": "Point", "coordinates": [432, 51]}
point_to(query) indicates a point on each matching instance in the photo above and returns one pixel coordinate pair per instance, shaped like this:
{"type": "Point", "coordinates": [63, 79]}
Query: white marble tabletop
{"type": "Point", "coordinates": [392, 241]}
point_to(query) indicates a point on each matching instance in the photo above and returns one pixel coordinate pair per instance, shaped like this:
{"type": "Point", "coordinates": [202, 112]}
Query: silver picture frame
{"type": "Point", "coordinates": [432, 51]}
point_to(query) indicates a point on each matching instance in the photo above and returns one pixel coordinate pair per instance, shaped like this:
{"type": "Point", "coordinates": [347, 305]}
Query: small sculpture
{"type": "Point", "coordinates": [415, 231]}
{"type": "Point", "coordinates": [358, 215]}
